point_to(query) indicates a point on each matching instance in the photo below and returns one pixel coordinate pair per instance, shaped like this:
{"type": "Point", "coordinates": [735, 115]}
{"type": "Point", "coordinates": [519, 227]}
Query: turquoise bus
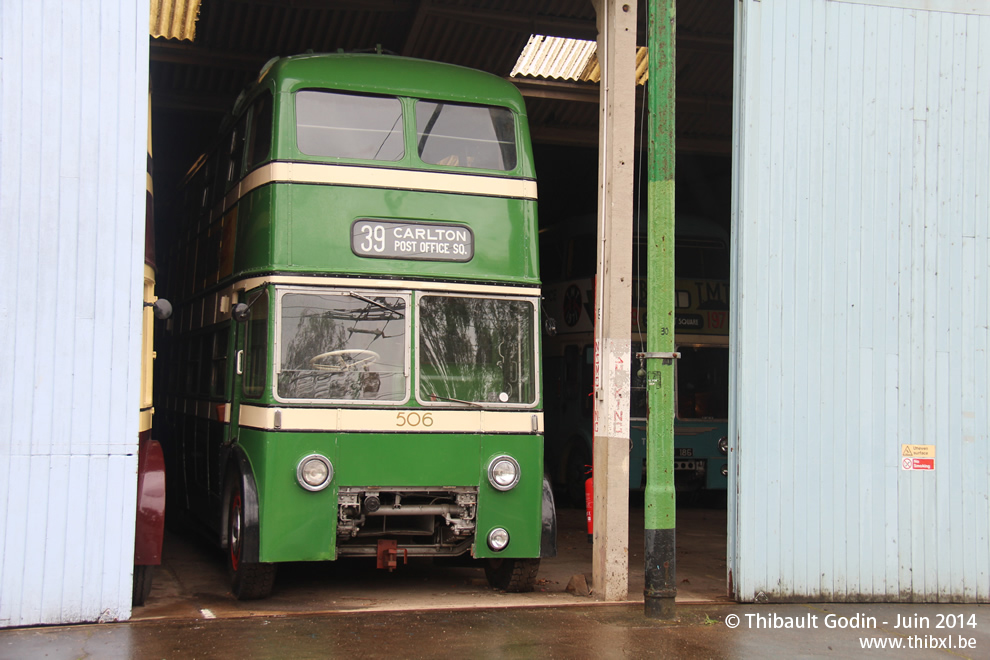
{"type": "Point", "coordinates": [701, 336]}
{"type": "Point", "coordinates": [355, 352]}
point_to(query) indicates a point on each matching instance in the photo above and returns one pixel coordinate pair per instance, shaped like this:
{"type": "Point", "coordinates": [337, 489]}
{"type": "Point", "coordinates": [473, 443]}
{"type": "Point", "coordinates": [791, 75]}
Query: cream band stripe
{"type": "Point", "coordinates": [405, 420]}
{"type": "Point", "coordinates": [386, 177]}
{"type": "Point", "coordinates": [364, 284]}
{"type": "Point", "coordinates": [357, 420]}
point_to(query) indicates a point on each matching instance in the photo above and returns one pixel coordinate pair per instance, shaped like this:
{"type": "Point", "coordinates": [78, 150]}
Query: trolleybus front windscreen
{"type": "Point", "coordinates": [476, 350]}
{"type": "Point", "coordinates": [342, 346]}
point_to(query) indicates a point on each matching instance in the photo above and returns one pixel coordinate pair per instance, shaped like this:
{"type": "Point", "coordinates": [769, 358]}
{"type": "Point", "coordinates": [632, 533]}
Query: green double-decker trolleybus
{"type": "Point", "coordinates": [354, 358]}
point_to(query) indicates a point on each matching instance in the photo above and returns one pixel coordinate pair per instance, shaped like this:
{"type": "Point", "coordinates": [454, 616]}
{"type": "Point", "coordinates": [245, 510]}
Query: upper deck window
{"type": "Point", "coordinates": [260, 136]}
{"type": "Point", "coordinates": [465, 135]}
{"type": "Point", "coordinates": [338, 125]}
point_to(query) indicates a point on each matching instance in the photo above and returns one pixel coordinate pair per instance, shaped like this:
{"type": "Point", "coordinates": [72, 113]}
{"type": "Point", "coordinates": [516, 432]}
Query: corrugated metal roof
{"type": "Point", "coordinates": [554, 57]}
{"type": "Point", "coordinates": [174, 19]}
{"type": "Point", "coordinates": [569, 59]}
{"type": "Point", "coordinates": [593, 72]}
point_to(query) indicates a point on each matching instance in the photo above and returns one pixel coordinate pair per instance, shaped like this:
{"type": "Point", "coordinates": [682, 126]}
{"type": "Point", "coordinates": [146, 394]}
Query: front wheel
{"type": "Point", "coordinates": [248, 580]}
{"type": "Point", "coordinates": [513, 575]}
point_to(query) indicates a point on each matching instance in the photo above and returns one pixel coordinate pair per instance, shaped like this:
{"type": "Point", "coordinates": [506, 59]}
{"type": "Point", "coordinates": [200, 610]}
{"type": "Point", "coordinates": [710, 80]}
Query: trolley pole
{"type": "Point", "coordinates": [661, 585]}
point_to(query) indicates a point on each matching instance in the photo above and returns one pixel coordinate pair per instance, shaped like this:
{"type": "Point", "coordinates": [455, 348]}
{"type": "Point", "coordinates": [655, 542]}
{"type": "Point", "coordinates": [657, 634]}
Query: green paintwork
{"type": "Point", "coordinates": [313, 233]}
{"type": "Point", "coordinates": [301, 526]}
{"type": "Point", "coordinates": [297, 525]}
{"type": "Point", "coordinates": [306, 227]}
{"type": "Point", "coordinates": [517, 510]}
{"type": "Point", "coordinates": [255, 227]}
{"type": "Point", "coordinates": [403, 77]}
{"type": "Point", "coordinates": [660, 497]}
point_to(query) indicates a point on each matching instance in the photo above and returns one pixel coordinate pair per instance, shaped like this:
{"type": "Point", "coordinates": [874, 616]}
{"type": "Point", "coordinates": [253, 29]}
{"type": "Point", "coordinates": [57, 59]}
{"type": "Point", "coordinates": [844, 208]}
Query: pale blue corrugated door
{"type": "Point", "coordinates": [861, 286]}
{"type": "Point", "coordinates": [73, 127]}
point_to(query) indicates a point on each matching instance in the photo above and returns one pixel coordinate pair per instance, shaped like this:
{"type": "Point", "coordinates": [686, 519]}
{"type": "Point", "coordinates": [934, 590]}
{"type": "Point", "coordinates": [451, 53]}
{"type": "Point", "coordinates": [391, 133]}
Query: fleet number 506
{"type": "Point", "coordinates": [414, 419]}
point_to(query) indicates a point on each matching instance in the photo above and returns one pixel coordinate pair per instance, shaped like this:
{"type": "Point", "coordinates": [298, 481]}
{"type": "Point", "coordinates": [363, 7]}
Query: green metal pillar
{"type": "Point", "coordinates": [661, 585]}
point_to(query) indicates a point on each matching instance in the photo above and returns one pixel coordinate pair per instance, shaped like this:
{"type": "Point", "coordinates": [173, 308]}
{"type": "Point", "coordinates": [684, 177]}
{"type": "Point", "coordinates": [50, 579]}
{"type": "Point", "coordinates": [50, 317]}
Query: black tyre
{"type": "Point", "coordinates": [248, 580]}
{"type": "Point", "coordinates": [142, 584]}
{"type": "Point", "coordinates": [513, 575]}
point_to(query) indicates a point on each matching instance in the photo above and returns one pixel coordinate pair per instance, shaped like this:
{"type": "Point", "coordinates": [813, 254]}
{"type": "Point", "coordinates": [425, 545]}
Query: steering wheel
{"type": "Point", "coordinates": [348, 359]}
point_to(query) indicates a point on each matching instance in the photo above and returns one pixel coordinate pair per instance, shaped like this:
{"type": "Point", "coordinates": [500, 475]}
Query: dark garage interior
{"type": "Point", "coordinates": [194, 84]}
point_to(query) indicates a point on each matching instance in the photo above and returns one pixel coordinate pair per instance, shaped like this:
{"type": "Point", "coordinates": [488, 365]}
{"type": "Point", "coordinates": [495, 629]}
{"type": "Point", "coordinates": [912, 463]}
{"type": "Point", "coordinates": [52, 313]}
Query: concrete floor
{"type": "Point", "coordinates": [593, 631]}
{"type": "Point", "coordinates": [349, 610]}
{"type": "Point", "coordinates": [192, 581]}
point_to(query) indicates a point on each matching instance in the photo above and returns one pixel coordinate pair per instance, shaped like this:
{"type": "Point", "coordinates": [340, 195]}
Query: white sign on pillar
{"type": "Point", "coordinates": [612, 380]}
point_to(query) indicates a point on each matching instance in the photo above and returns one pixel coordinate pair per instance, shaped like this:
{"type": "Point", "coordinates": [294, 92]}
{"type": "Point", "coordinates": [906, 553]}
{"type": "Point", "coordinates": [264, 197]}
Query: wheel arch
{"type": "Point", "coordinates": [548, 534]}
{"type": "Point", "coordinates": [239, 475]}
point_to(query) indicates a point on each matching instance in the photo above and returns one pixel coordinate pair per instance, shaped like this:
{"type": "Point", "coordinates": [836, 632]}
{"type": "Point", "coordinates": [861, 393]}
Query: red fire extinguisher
{"type": "Point", "coordinates": [589, 503]}
{"type": "Point", "coordinates": [589, 485]}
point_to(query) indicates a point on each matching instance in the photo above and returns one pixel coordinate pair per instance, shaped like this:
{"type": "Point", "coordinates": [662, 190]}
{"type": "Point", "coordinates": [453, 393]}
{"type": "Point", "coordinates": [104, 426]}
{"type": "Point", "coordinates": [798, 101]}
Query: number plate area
{"type": "Point", "coordinates": [418, 241]}
{"type": "Point", "coordinates": [690, 465]}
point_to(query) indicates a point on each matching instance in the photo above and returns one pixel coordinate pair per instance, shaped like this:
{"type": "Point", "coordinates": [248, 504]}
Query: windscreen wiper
{"type": "Point", "coordinates": [430, 123]}
{"type": "Point", "coordinates": [393, 310]}
{"type": "Point", "coordinates": [435, 397]}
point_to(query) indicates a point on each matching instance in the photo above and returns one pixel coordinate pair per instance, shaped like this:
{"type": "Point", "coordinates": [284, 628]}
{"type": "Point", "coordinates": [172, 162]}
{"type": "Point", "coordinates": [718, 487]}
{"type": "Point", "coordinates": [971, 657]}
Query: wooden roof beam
{"type": "Point", "coordinates": [588, 92]}
{"type": "Point", "coordinates": [186, 53]}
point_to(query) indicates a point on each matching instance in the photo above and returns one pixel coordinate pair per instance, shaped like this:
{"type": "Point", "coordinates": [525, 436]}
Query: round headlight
{"type": "Point", "coordinates": [503, 472]}
{"type": "Point", "coordinates": [314, 472]}
{"type": "Point", "coordinates": [498, 538]}
{"type": "Point", "coordinates": [723, 444]}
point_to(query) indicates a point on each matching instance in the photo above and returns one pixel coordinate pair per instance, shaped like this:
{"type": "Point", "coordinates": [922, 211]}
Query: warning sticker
{"type": "Point", "coordinates": [918, 464]}
{"type": "Point", "coordinates": [917, 457]}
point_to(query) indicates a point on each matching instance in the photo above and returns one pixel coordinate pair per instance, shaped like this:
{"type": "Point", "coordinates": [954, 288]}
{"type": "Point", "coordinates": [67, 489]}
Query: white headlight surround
{"type": "Point", "coordinates": [503, 472]}
{"type": "Point", "coordinates": [498, 539]}
{"type": "Point", "coordinates": [314, 472]}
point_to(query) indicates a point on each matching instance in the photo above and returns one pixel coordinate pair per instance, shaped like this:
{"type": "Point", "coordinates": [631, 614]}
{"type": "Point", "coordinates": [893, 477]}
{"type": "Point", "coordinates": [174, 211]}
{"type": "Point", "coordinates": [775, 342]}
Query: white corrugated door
{"type": "Point", "coordinates": [860, 293]}
{"type": "Point", "coordinates": [73, 109]}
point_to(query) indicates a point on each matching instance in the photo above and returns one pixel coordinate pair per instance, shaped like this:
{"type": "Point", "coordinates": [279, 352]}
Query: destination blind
{"type": "Point", "coordinates": [386, 239]}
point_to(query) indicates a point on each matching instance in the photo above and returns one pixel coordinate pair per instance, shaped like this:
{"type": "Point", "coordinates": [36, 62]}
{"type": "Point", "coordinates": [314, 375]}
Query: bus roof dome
{"type": "Point", "coordinates": [368, 72]}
